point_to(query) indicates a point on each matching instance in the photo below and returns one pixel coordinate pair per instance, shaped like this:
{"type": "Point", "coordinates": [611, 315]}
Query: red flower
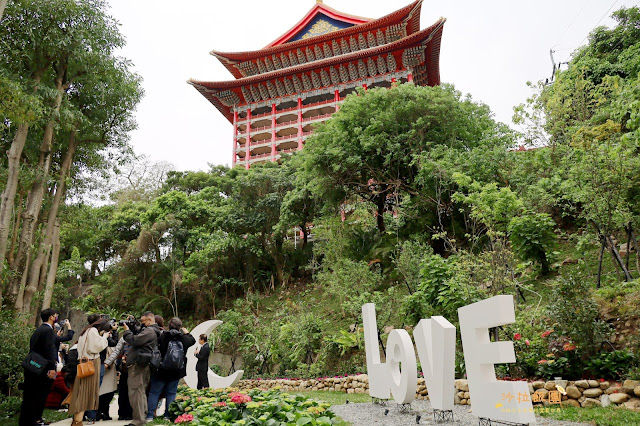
{"type": "Point", "coordinates": [543, 361]}
{"type": "Point", "coordinates": [527, 342]}
{"type": "Point", "coordinates": [220, 404]}
{"type": "Point", "coordinates": [546, 333]}
{"type": "Point", "coordinates": [568, 347]}
{"type": "Point", "coordinates": [517, 336]}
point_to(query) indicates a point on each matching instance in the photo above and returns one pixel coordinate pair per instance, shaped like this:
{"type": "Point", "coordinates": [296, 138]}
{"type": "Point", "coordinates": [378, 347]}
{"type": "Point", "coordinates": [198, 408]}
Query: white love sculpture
{"type": "Point", "coordinates": [435, 340]}
{"type": "Point", "coordinates": [215, 381]}
{"type": "Point", "coordinates": [436, 343]}
{"type": "Point", "coordinates": [493, 399]}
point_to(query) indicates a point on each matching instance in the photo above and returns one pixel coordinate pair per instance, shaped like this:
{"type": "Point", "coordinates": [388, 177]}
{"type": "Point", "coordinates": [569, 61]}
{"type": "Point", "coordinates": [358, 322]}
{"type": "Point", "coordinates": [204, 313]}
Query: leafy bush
{"type": "Point", "coordinates": [13, 350]}
{"type": "Point", "coordinates": [9, 406]}
{"type": "Point", "coordinates": [532, 238]}
{"type": "Point", "coordinates": [528, 344]}
{"type": "Point", "coordinates": [550, 368]}
{"type": "Point", "coordinates": [443, 289]}
{"type": "Point", "coordinates": [573, 315]}
{"type": "Point", "coordinates": [612, 365]}
{"type": "Point", "coordinates": [224, 407]}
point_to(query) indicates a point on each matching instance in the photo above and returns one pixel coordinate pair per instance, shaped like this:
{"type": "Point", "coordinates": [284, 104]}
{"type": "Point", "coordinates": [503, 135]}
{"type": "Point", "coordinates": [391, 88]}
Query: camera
{"type": "Point", "coordinates": [131, 322]}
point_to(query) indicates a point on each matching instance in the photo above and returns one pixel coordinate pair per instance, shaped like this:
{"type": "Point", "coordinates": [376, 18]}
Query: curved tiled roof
{"type": "Point", "coordinates": [429, 38]}
{"type": "Point", "coordinates": [411, 11]}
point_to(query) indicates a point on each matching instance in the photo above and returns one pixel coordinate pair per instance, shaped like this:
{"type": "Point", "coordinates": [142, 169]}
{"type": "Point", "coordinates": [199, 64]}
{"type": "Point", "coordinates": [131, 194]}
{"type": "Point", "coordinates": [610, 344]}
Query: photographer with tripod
{"type": "Point", "coordinates": [143, 343]}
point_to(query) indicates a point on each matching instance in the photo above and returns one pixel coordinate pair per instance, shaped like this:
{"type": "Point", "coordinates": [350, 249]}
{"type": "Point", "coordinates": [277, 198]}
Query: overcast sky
{"type": "Point", "coordinates": [490, 49]}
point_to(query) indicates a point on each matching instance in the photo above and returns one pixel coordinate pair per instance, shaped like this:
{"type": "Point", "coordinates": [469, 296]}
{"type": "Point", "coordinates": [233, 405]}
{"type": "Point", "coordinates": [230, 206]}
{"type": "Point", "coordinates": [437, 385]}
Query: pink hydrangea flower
{"type": "Point", "coordinates": [184, 418]}
{"type": "Point", "coordinates": [527, 342]}
{"type": "Point", "coordinates": [239, 398]}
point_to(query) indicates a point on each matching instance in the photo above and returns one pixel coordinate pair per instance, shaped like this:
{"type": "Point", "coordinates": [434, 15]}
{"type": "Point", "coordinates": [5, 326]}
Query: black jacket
{"type": "Point", "coordinates": [203, 358]}
{"type": "Point", "coordinates": [144, 341]}
{"type": "Point", "coordinates": [43, 342]}
{"type": "Point", "coordinates": [163, 343]}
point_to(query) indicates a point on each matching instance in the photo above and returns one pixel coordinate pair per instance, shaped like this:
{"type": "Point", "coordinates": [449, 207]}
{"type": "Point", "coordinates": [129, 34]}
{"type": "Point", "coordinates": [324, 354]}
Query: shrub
{"type": "Point", "coordinates": [9, 406]}
{"type": "Point", "coordinates": [443, 289]}
{"type": "Point", "coordinates": [573, 314]}
{"type": "Point", "coordinates": [612, 365]}
{"type": "Point", "coordinates": [13, 350]}
{"type": "Point", "coordinates": [532, 238]}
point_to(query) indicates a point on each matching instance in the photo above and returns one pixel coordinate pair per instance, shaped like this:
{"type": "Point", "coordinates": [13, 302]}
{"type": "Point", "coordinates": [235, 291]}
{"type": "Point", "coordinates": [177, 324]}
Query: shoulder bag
{"type": "Point", "coordinates": [35, 363]}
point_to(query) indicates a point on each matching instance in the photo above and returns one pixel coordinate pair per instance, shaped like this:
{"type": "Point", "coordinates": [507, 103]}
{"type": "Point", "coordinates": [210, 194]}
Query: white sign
{"type": "Point", "coordinates": [435, 341]}
{"type": "Point", "coordinates": [215, 381]}
{"type": "Point", "coordinates": [492, 398]}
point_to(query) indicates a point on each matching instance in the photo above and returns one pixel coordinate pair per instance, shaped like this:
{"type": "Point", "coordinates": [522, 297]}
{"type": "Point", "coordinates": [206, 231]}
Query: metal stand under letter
{"type": "Point", "coordinates": [442, 416]}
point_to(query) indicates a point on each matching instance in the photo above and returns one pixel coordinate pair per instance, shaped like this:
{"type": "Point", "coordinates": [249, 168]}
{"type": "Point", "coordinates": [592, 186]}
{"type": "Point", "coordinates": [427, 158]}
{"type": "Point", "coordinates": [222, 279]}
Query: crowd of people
{"type": "Point", "coordinates": [143, 364]}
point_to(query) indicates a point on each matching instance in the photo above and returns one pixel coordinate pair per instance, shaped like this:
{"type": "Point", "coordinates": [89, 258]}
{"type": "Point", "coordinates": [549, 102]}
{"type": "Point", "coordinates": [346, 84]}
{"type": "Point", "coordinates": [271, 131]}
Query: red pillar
{"type": "Point", "coordinates": [235, 138]}
{"type": "Point", "coordinates": [364, 86]}
{"type": "Point", "coordinates": [248, 143]}
{"type": "Point", "coordinates": [273, 132]}
{"type": "Point", "coordinates": [299, 124]}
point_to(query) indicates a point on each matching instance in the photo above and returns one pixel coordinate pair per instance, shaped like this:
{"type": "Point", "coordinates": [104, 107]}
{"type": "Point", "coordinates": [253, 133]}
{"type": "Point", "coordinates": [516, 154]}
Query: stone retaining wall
{"type": "Point", "coordinates": [580, 393]}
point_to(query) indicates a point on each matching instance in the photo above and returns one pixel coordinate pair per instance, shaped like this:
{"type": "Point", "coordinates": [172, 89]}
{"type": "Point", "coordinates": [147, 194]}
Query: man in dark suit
{"type": "Point", "coordinates": [202, 366]}
{"type": "Point", "coordinates": [36, 387]}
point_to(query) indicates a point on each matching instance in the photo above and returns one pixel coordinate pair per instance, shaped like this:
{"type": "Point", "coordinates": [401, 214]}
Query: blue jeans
{"type": "Point", "coordinates": [158, 385]}
{"type": "Point", "coordinates": [92, 414]}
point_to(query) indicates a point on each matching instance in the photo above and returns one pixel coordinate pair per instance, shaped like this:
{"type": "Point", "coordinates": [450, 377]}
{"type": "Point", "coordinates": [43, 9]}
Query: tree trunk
{"type": "Point", "coordinates": [9, 193]}
{"type": "Point", "coordinates": [305, 234]}
{"type": "Point", "coordinates": [53, 268]}
{"type": "Point", "coordinates": [45, 246]}
{"type": "Point", "coordinates": [617, 258]}
{"type": "Point", "coordinates": [3, 4]}
{"type": "Point", "coordinates": [16, 227]}
{"type": "Point", "coordinates": [600, 257]}
{"type": "Point", "coordinates": [380, 215]}
{"type": "Point", "coordinates": [36, 194]}
{"type": "Point", "coordinates": [626, 261]}
{"type": "Point", "coordinates": [635, 246]}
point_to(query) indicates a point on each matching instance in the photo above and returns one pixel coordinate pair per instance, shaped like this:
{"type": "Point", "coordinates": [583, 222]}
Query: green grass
{"type": "Point", "coordinates": [599, 416]}
{"type": "Point", "coordinates": [51, 416]}
{"type": "Point", "coordinates": [336, 398]}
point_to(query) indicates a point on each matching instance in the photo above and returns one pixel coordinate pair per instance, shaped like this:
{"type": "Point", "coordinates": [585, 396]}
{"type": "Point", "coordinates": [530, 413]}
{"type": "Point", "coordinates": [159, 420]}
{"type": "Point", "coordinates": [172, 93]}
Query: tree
{"type": "Point", "coordinates": [374, 147]}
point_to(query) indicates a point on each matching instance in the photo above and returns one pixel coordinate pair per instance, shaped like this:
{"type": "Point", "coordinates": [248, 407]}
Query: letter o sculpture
{"type": "Point", "coordinates": [400, 351]}
{"type": "Point", "coordinates": [215, 381]}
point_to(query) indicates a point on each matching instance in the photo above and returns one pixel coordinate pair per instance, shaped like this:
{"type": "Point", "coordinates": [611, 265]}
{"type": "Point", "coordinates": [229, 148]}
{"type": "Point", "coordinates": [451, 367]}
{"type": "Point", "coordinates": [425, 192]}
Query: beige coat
{"type": "Point", "coordinates": [90, 344]}
{"type": "Point", "coordinates": [110, 379]}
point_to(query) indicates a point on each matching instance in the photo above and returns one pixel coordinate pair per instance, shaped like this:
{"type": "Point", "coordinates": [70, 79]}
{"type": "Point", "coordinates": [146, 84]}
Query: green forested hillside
{"type": "Point", "coordinates": [413, 198]}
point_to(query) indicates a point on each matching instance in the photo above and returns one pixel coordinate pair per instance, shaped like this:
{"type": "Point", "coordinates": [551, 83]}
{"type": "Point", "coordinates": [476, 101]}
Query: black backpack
{"type": "Point", "coordinates": [174, 358]}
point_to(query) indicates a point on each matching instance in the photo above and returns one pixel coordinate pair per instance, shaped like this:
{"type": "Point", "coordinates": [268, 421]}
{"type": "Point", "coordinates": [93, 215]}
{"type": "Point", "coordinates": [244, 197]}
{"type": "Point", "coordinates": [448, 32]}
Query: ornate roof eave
{"type": "Point", "coordinates": [429, 36]}
{"type": "Point", "coordinates": [317, 8]}
{"type": "Point", "coordinates": [230, 59]}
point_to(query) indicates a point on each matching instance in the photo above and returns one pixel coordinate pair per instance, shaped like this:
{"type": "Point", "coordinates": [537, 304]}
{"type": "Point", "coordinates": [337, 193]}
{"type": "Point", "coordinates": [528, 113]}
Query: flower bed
{"type": "Point", "coordinates": [255, 407]}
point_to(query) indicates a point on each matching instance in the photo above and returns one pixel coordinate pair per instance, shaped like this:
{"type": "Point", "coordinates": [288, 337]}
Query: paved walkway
{"type": "Point", "coordinates": [113, 412]}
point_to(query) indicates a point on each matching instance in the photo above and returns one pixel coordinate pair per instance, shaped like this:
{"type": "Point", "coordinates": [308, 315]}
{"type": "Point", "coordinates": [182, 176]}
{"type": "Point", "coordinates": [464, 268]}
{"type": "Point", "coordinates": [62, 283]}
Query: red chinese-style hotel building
{"type": "Point", "coordinates": [300, 79]}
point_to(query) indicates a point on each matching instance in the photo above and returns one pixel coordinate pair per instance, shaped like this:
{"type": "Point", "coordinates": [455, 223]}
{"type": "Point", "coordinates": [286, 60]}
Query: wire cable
{"type": "Point", "coordinates": [571, 24]}
{"type": "Point", "coordinates": [600, 20]}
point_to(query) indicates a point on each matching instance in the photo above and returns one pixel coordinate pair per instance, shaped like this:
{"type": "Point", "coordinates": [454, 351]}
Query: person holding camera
{"type": "Point", "coordinates": [84, 394]}
{"type": "Point", "coordinates": [140, 355]}
{"type": "Point", "coordinates": [173, 346]}
{"type": "Point", "coordinates": [39, 369]}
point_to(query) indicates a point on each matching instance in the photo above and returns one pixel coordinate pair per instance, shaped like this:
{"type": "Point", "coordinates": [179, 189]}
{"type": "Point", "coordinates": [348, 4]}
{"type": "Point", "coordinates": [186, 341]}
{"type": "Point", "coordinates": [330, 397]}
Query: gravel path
{"type": "Point", "coordinates": [368, 414]}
